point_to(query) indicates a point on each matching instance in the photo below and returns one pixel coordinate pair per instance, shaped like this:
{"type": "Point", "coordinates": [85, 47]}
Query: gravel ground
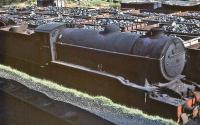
{"type": "Point", "coordinates": [98, 105]}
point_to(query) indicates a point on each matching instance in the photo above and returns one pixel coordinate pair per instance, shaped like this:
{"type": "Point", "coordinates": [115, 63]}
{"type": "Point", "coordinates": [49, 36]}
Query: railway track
{"type": "Point", "coordinates": [22, 106]}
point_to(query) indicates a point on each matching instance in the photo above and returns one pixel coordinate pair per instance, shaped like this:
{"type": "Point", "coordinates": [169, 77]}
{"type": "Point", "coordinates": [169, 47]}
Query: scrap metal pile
{"type": "Point", "coordinates": [131, 20]}
{"type": "Point", "coordinates": [73, 17]}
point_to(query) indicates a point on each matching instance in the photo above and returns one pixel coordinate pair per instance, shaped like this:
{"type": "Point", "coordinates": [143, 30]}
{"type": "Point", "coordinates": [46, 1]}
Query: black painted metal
{"type": "Point", "coordinates": [170, 50]}
{"type": "Point", "coordinates": [140, 5]}
{"type": "Point", "coordinates": [45, 3]}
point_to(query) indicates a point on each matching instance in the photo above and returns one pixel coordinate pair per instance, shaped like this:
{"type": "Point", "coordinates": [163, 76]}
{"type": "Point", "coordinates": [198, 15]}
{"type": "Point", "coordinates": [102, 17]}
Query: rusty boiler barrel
{"type": "Point", "coordinates": [169, 50]}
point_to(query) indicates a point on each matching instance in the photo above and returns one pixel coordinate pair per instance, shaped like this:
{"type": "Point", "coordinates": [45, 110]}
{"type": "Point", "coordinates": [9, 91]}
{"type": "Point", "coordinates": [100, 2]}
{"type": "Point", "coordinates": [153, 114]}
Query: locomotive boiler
{"type": "Point", "coordinates": [169, 50]}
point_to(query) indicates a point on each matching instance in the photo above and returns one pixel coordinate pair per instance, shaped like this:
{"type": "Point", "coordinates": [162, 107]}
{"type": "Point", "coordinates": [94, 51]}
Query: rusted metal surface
{"type": "Point", "coordinates": [87, 81]}
{"type": "Point", "coordinates": [36, 49]}
{"type": "Point", "coordinates": [181, 8]}
{"type": "Point", "coordinates": [159, 5]}
{"type": "Point", "coordinates": [84, 79]}
{"type": "Point", "coordinates": [154, 45]}
{"type": "Point", "coordinates": [140, 5]}
{"type": "Point", "coordinates": [192, 69]}
{"type": "Point", "coordinates": [109, 85]}
{"type": "Point", "coordinates": [111, 62]}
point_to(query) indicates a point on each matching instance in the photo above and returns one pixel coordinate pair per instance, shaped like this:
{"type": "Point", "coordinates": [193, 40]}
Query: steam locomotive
{"type": "Point", "coordinates": [146, 72]}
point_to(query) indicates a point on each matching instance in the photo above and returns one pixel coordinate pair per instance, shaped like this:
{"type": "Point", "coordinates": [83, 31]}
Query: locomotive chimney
{"type": "Point", "coordinates": [111, 28]}
{"type": "Point", "coordinates": [155, 33]}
